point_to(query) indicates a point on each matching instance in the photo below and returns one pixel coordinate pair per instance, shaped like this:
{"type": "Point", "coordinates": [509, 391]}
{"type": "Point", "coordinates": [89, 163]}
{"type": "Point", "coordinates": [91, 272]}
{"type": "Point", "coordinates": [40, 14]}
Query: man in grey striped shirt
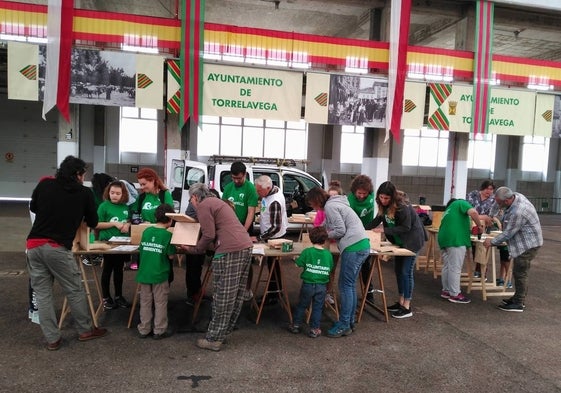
{"type": "Point", "coordinates": [523, 234]}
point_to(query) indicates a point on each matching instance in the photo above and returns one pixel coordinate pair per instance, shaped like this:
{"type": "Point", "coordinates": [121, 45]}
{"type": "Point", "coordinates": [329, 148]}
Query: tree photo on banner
{"type": "Point", "coordinates": [111, 78]}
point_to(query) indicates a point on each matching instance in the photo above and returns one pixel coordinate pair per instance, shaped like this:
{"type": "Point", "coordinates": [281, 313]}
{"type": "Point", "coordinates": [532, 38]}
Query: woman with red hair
{"type": "Point", "coordinates": [153, 193]}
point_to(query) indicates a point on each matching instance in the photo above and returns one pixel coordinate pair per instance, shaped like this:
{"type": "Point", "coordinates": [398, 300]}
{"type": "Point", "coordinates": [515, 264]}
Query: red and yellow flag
{"type": "Point", "coordinates": [191, 60]}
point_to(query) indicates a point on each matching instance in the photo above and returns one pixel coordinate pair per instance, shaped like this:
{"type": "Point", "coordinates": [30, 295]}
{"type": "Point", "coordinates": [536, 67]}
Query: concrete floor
{"type": "Point", "coordinates": [444, 347]}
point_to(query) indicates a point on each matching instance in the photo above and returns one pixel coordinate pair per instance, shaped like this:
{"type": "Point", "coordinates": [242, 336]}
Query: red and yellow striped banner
{"type": "Point", "coordinates": [90, 27]}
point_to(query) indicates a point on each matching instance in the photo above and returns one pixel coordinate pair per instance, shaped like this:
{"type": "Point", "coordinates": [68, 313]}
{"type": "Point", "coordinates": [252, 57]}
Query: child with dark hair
{"type": "Point", "coordinates": [317, 263]}
{"type": "Point", "coordinates": [155, 251]}
{"type": "Point", "coordinates": [114, 220]}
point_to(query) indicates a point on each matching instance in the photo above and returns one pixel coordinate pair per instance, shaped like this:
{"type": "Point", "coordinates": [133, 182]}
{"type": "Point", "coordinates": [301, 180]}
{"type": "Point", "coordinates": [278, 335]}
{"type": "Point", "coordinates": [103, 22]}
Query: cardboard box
{"type": "Point", "coordinates": [180, 217]}
{"type": "Point", "coordinates": [186, 233]}
{"type": "Point", "coordinates": [136, 231]}
{"type": "Point", "coordinates": [82, 240]}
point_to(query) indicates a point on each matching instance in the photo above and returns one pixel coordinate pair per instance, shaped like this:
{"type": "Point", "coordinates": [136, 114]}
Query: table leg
{"type": "Point", "coordinates": [285, 303]}
{"type": "Point", "coordinates": [376, 265]}
{"type": "Point", "coordinates": [88, 292]}
{"type": "Point", "coordinates": [429, 251]}
{"type": "Point", "coordinates": [204, 284]}
{"type": "Point", "coordinates": [133, 305]}
{"type": "Point", "coordinates": [99, 308]}
{"type": "Point", "coordinates": [259, 306]}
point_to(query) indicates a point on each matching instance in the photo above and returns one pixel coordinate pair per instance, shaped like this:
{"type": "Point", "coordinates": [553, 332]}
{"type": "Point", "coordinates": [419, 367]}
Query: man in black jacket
{"type": "Point", "coordinates": [60, 205]}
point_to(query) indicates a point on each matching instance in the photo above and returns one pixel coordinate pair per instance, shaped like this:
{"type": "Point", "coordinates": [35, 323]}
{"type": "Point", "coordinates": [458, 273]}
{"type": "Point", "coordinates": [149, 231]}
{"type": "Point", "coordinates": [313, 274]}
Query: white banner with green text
{"type": "Point", "coordinates": [252, 93]}
{"type": "Point", "coordinates": [510, 111]}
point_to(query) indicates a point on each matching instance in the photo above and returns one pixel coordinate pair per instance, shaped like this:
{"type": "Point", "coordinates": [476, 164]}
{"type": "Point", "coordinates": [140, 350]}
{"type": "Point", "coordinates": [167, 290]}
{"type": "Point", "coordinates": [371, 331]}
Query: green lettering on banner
{"type": "Point", "coordinates": [492, 122]}
{"type": "Point", "coordinates": [466, 97]}
{"type": "Point", "coordinates": [501, 122]}
{"type": "Point", "coordinates": [244, 80]}
{"type": "Point", "coordinates": [258, 105]}
{"type": "Point", "coordinates": [505, 101]}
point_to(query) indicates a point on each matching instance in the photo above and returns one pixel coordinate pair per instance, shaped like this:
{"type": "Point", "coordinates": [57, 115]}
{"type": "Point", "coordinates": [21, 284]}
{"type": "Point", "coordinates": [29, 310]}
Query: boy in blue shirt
{"type": "Point", "coordinates": [317, 263]}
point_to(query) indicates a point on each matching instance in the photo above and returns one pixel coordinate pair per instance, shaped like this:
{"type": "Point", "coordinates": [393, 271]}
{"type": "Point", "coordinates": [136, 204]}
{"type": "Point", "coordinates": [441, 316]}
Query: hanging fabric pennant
{"type": "Point", "coordinates": [59, 48]}
{"type": "Point", "coordinates": [149, 81]}
{"type": "Point", "coordinates": [399, 34]}
{"type": "Point", "coordinates": [22, 71]}
{"type": "Point", "coordinates": [482, 66]}
{"type": "Point", "coordinates": [173, 87]}
{"type": "Point", "coordinates": [191, 61]}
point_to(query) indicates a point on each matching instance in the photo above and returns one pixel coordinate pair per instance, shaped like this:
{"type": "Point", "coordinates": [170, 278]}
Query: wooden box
{"type": "Point", "coordinates": [180, 217]}
{"type": "Point", "coordinates": [277, 243]}
{"type": "Point", "coordinates": [137, 230]}
{"type": "Point", "coordinates": [375, 239]}
{"type": "Point", "coordinates": [82, 240]}
{"type": "Point", "coordinates": [186, 233]}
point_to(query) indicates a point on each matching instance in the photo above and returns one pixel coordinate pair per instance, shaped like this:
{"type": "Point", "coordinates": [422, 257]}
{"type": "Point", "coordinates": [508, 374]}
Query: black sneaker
{"type": "Point", "coordinates": [109, 304]}
{"type": "Point", "coordinates": [403, 313]}
{"type": "Point", "coordinates": [514, 307]}
{"type": "Point", "coordinates": [294, 328]}
{"type": "Point", "coordinates": [510, 301]}
{"type": "Point", "coordinates": [394, 307]}
{"type": "Point", "coordinates": [121, 302]}
{"type": "Point", "coordinates": [163, 335]}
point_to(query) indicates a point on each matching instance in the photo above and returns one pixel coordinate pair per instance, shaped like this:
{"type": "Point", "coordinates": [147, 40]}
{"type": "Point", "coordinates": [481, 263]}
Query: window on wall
{"type": "Point", "coordinates": [252, 137]}
{"type": "Point", "coordinates": [352, 143]}
{"type": "Point", "coordinates": [481, 151]}
{"type": "Point", "coordinates": [138, 131]}
{"type": "Point", "coordinates": [425, 147]}
{"type": "Point", "coordinates": [535, 154]}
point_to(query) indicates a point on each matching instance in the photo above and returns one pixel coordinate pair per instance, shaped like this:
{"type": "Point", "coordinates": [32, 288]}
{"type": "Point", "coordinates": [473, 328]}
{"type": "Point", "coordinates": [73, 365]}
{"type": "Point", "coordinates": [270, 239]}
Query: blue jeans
{"type": "Point", "coordinates": [404, 268]}
{"type": "Point", "coordinates": [310, 293]}
{"type": "Point", "coordinates": [351, 262]}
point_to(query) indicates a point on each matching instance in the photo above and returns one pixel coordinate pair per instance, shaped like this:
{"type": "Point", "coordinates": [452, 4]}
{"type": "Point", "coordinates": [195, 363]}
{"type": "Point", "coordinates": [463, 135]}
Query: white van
{"type": "Point", "coordinates": [293, 182]}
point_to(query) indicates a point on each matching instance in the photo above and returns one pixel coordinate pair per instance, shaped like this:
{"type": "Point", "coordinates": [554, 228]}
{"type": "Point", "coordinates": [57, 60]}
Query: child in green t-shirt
{"type": "Point", "coordinates": [155, 252]}
{"type": "Point", "coordinates": [114, 220]}
{"type": "Point", "coordinates": [317, 263]}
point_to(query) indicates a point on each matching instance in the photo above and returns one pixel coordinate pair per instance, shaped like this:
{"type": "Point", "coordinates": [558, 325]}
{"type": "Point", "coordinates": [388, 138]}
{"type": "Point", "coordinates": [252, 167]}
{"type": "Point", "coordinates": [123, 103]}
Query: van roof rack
{"type": "Point", "coordinates": [218, 159]}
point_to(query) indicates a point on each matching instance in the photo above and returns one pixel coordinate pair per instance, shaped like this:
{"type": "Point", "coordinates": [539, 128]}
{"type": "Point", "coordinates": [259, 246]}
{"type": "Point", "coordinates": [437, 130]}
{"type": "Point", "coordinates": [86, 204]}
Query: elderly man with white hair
{"type": "Point", "coordinates": [523, 234]}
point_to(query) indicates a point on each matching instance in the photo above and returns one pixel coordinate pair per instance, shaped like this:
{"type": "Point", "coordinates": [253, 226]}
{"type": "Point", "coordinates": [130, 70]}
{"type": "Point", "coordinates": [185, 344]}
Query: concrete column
{"type": "Point", "coordinates": [376, 154]}
{"type": "Point", "coordinates": [455, 179]}
{"type": "Point", "coordinates": [324, 154]}
{"type": "Point", "coordinates": [513, 161]}
{"type": "Point", "coordinates": [68, 135]}
{"type": "Point", "coordinates": [99, 140]}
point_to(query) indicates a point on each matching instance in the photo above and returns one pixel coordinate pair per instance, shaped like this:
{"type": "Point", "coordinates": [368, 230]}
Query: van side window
{"type": "Point", "coordinates": [273, 175]}
{"type": "Point", "coordinates": [226, 178]}
{"type": "Point", "coordinates": [192, 176]}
